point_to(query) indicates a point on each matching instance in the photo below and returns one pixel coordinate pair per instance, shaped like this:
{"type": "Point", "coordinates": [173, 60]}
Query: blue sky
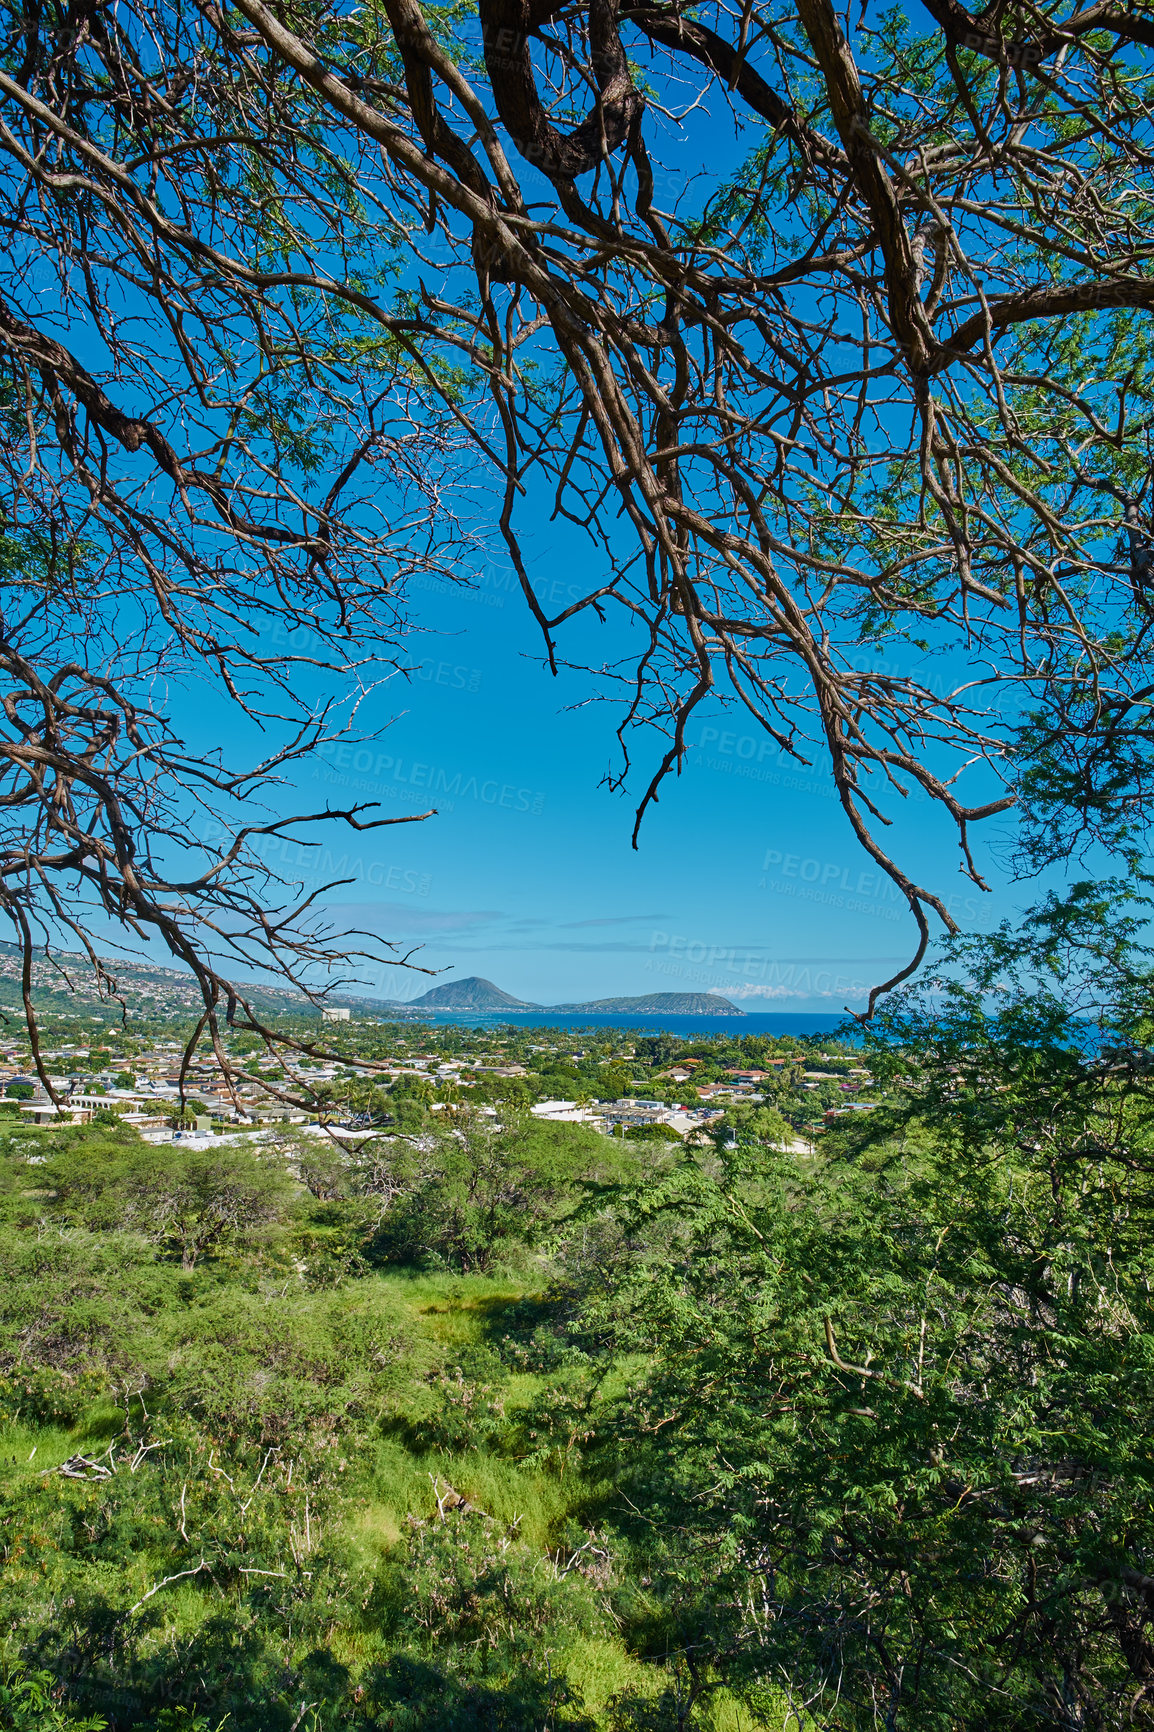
{"type": "Point", "coordinates": [748, 880]}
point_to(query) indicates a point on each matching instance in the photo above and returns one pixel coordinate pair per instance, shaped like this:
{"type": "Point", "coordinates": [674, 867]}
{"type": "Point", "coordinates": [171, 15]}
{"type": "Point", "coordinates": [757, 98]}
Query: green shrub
{"type": "Point", "coordinates": [29, 1702]}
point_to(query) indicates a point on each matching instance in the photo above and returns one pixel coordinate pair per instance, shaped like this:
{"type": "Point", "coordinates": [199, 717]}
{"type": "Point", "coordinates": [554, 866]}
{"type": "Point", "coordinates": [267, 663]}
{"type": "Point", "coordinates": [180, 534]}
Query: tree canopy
{"type": "Point", "coordinates": [875, 375]}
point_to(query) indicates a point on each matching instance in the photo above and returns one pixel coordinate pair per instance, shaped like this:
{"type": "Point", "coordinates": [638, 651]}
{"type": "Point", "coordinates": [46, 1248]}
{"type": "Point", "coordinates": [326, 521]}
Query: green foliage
{"type": "Point", "coordinates": [727, 1432]}
{"type": "Point", "coordinates": [654, 1133]}
{"type": "Point", "coordinates": [477, 1192]}
{"type": "Point", "coordinates": [480, 1620]}
{"type": "Point", "coordinates": [187, 1199]}
{"type": "Point", "coordinates": [227, 1490]}
{"type": "Point", "coordinates": [28, 1703]}
{"type": "Point", "coordinates": [887, 1438]}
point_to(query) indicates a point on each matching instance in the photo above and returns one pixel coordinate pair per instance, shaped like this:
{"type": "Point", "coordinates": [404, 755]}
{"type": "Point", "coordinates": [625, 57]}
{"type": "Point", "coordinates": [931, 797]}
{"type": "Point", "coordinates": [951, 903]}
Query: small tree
{"type": "Point", "coordinates": [190, 1201]}
{"type": "Point", "coordinates": [752, 1124]}
{"type": "Point", "coordinates": [653, 1134]}
{"type": "Point", "coordinates": [466, 1195]}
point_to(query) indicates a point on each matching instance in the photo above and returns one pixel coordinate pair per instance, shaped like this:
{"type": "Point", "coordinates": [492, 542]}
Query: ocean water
{"type": "Point", "coordinates": [783, 1022]}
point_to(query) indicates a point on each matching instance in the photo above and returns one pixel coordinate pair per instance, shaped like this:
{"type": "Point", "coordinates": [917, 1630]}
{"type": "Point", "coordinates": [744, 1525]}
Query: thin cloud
{"type": "Point", "coordinates": [568, 947]}
{"type": "Point", "coordinates": [386, 918]}
{"type": "Point", "coordinates": [611, 920]}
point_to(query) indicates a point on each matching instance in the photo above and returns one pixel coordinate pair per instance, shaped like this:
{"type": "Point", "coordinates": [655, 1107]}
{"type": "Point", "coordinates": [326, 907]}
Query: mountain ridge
{"type": "Point", "coordinates": [474, 993]}
{"type": "Point", "coordinates": [153, 989]}
{"type": "Point", "coordinates": [657, 1004]}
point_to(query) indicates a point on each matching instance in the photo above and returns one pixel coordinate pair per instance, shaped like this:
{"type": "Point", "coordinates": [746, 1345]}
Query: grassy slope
{"type": "Point", "coordinates": [298, 1439]}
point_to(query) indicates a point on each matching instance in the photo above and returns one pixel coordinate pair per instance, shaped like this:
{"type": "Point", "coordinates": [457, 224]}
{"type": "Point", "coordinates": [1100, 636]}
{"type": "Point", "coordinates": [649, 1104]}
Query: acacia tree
{"type": "Point", "coordinates": [881, 377]}
{"type": "Point", "coordinates": [883, 1460]}
{"type": "Point", "coordinates": [210, 479]}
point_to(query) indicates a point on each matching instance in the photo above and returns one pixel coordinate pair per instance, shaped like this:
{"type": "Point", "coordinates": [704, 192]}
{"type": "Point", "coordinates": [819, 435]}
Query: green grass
{"type": "Point", "coordinates": [282, 1544]}
{"type": "Point", "coordinates": [109, 1542]}
{"type": "Point", "coordinates": [447, 1315]}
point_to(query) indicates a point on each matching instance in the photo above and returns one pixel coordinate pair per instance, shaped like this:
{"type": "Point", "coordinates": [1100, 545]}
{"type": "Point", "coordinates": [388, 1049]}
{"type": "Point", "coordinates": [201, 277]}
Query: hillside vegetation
{"type": "Point", "coordinates": [524, 1428]}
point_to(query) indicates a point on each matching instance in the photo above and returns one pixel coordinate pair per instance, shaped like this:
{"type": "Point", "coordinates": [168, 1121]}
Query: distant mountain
{"type": "Point", "coordinates": [471, 994]}
{"type": "Point", "coordinates": [150, 990]}
{"type": "Point", "coordinates": [475, 994]}
{"type": "Point", "coordinates": [658, 1004]}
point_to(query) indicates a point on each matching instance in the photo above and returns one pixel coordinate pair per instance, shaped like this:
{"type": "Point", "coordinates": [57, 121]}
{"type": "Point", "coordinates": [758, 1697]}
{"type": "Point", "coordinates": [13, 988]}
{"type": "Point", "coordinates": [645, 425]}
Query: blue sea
{"type": "Point", "coordinates": [776, 1023]}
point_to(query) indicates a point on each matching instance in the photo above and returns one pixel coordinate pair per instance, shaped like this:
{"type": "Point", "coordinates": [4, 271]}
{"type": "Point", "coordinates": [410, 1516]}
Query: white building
{"type": "Point", "coordinates": [568, 1112]}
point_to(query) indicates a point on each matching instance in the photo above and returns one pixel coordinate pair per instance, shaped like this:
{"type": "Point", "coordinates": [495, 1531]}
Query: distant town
{"type": "Point", "coordinates": [371, 1071]}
